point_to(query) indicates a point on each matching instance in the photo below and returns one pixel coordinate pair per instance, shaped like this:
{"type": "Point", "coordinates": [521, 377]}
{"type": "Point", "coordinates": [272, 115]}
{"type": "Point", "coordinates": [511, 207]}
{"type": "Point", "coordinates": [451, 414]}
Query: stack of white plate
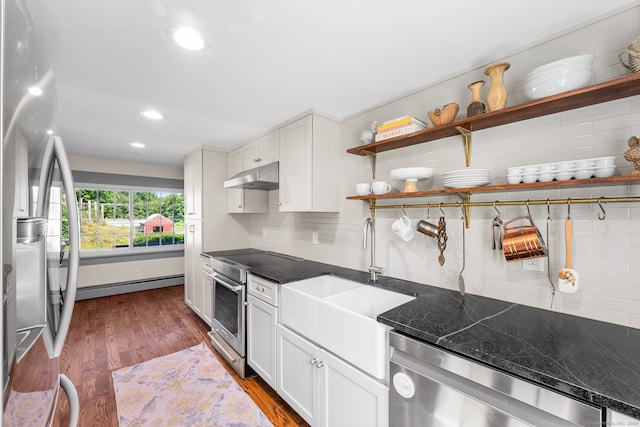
{"type": "Point", "coordinates": [467, 178]}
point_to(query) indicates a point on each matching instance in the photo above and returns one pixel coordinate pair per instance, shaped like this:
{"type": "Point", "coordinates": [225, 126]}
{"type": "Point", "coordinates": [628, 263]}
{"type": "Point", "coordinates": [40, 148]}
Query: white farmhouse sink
{"type": "Point", "coordinates": [340, 315]}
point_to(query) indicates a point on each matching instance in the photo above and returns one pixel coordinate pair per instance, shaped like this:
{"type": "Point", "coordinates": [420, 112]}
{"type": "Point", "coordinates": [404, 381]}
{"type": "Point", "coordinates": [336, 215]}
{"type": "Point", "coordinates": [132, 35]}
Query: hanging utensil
{"type": "Point", "coordinates": [460, 278]}
{"type": "Point", "coordinates": [497, 229]}
{"type": "Point", "coordinates": [568, 277]}
{"type": "Point", "coordinates": [442, 237]}
{"type": "Point", "coordinates": [553, 286]}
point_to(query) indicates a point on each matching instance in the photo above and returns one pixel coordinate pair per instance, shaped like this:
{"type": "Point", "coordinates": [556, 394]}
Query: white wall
{"type": "Point", "coordinates": [129, 271]}
{"type": "Point", "coordinates": [605, 252]}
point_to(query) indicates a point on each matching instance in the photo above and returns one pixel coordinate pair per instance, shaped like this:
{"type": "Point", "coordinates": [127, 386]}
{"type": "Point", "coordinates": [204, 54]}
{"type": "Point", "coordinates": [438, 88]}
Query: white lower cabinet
{"type": "Point", "coordinates": [325, 390]}
{"type": "Point", "coordinates": [261, 339]}
{"type": "Point", "coordinates": [207, 297]}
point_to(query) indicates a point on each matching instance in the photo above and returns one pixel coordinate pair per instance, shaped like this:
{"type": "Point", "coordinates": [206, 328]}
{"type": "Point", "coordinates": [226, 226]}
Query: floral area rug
{"type": "Point", "coordinates": [187, 388]}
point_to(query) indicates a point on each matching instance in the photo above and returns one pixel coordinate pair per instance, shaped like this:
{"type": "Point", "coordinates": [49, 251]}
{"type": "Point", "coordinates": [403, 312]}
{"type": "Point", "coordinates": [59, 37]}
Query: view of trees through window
{"type": "Point", "coordinates": [124, 219]}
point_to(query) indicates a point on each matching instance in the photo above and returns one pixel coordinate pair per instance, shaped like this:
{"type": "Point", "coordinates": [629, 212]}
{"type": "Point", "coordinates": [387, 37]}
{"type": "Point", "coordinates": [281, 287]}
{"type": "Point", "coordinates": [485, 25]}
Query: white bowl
{"type": "Point", "coordinates": [514, 179]}
{"type": "Point", "coordinates": [529, 178]}
{"type": "Point", "coordinates": [566, 82]}
{"type": "Point", "coordinates": [583, 173]}
{"type": "Point", "coordinates": [564, 176]}
{"type": "Point", "coordinates": [537, 76]}
{"type": "Point", "coordinates": [605, 172]}
{"type": "Point", "coordinates": [584, 60]}
{"type": "Point", "coordinates": [516, 170]}
{"type": "Point", "coordinates": [560, 75]}
{"type": "Point", "coordinates": [546, 177]}
{"type": "Point", "coordinates": [411, 173]}
{"type": "Point", "coordinates": [564, 166]}
{"type": "Point", "coordinates": [605, 161]}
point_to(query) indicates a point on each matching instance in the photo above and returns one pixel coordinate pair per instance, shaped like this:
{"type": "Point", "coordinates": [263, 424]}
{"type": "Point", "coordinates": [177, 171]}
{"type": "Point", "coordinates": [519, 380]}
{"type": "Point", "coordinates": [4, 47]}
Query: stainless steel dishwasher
{"type": "Point", "coordinates": [433, 387]}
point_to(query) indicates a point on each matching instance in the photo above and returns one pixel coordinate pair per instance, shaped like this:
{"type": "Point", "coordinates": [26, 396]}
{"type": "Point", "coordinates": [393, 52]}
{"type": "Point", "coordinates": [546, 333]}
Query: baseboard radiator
{"type": "Point", "coordinates": [127, 287]}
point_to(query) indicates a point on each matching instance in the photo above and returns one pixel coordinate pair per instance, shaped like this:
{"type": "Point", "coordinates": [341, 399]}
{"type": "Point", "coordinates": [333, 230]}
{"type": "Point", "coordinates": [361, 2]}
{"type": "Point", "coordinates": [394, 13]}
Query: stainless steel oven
{"type": "Point", "coordinates": [228, 322]}
{"type": "Point", "coordinates": [228, 275]}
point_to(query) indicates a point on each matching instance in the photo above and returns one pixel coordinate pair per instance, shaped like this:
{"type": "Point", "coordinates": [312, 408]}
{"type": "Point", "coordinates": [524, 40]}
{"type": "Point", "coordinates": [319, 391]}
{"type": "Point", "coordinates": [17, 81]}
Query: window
{"type": "Point", "coordinates": [128, 218]}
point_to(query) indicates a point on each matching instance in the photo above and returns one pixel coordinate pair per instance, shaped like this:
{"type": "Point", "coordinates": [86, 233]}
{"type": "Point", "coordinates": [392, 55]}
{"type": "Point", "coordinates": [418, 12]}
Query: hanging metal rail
{"type": "Point", "coordinates": [467, 204]}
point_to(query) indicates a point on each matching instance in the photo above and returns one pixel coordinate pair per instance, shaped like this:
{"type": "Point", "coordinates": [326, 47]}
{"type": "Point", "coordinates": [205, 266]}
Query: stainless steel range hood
{"type": "Point", "coordinates": [260, 178]}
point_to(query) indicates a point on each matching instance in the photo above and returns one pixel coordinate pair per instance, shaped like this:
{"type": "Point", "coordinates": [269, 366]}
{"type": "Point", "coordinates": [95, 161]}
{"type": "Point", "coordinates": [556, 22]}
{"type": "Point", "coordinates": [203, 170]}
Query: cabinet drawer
{"type": "Point", "coordinates": [263, 289]}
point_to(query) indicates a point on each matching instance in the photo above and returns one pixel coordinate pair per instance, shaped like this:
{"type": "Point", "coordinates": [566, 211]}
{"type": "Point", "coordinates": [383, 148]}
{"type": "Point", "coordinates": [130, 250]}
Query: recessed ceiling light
{"type": "Point", "coordinates": [187, 38]}
{"type": "Point", "coordinates": [152, 114]}
{"type": "Point", "coordinates": [137, 144]}
{"type": "Point", "coordinates": [49, 132]}
{"type": "Point", "coordinates": [35, 91]}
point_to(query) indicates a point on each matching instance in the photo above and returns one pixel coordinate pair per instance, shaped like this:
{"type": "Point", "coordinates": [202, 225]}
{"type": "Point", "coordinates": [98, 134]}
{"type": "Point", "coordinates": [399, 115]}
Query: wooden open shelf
{"type": "Point", "coordinates": [504, 187]}
{"type": "Point", "coordinates": [622, 87]}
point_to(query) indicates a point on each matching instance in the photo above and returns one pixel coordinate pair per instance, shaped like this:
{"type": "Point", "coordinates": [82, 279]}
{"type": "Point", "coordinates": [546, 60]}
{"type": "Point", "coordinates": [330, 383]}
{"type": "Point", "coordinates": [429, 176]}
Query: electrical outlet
{"type": "Point", "coordinates": [533, 264]}
{"type": "Point", "coordinates": [264, 232]}
{"type": "Point", "coordinates": [314, 237]}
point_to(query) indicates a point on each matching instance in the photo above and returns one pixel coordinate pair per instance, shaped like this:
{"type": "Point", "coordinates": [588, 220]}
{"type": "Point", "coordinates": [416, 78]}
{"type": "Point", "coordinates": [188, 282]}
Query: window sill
{"type": "Point", "coordinates": [109, 256]}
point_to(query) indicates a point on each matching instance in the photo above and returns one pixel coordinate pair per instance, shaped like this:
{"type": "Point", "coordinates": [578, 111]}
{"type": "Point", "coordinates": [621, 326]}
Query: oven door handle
{"type": "Point", "coordinates": [235, 288]}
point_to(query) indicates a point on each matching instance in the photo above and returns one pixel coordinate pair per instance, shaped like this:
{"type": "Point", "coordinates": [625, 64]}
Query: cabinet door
{"type": "Point", "coordinates": [207, 297]}
{"type": "Point", "coordinates": [235, 196]}
{"type": "Point", "coordinates": [261, 339]}
{"type": "Point", "coordinates": [193, 185]}
{"type": "Point", "coordinates": [297, 374]}
{"type": "Point", "coordinates": [296, 166]}
{"type": "Point", "coordinates": [193, 248]}
{"type": "Point", "coordinates": [348, 397]}
{"type": "Point", "coordinates": [251, 155]}
{"type": "Point", "coordinates": [269, 147]}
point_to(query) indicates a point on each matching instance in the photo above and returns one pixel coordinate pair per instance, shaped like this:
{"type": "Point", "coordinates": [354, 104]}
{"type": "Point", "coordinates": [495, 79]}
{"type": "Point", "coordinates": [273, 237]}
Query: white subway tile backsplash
{"type": "Point", "coordinates": [606, 253]}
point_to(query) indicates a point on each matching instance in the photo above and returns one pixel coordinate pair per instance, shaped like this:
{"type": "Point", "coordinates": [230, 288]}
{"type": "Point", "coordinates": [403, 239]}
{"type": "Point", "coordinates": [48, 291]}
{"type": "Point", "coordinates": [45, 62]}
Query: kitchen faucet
{"type": "Point", "coordinates": [369, 224]}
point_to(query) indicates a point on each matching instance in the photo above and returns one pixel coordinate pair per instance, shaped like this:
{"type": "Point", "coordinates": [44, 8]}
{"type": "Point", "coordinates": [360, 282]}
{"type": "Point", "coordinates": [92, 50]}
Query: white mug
{"type": "Point", "coordinates": [402, 227]}
{"type": "Point", "coordinates": [380, 187]}
{"type": "Point", "coordinates": [363, 189]}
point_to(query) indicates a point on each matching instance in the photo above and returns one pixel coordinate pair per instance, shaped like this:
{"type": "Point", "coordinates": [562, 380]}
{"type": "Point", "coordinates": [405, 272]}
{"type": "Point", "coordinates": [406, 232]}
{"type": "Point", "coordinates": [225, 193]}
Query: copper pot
{"type": "Point", "coordinates": [523, 241]}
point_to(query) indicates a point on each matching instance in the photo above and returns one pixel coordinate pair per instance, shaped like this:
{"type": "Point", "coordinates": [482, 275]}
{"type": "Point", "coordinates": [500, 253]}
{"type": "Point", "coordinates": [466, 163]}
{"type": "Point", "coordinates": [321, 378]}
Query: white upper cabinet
{"type": "Point", "coordinates": [261, 151]}
{"type": "Point", "coordinates": [239, 200]}
{"type": "Point", "coordinates": [309, 150]}
{"type": "Point", "coordinates": [193, 185]}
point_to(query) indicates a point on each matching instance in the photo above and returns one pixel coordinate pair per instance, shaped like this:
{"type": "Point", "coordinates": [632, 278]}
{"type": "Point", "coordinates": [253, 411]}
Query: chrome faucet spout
{"type": "Point", "coordinates": [369, 227]}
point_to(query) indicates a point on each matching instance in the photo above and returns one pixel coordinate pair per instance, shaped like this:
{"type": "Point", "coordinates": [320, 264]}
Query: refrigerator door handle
{"type": "Point", "coordinates": [55, 150]}
{"type": "Point", "coordinates": [74, 402]}
{"type": "Point", "coordinates": [74, 243]}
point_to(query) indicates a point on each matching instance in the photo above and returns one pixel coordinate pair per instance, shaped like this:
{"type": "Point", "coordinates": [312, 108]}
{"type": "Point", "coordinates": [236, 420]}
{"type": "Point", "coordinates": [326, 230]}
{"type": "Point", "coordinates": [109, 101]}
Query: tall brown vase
{"type": "Point", "coordinates": [476, 107]}
{"type": "Point", "coordinates": [497, 94]}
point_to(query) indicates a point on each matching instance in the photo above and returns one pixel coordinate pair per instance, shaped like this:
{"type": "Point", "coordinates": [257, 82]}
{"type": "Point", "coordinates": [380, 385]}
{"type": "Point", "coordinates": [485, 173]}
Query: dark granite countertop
{"type": "Point", "coordinates": [593, 361]}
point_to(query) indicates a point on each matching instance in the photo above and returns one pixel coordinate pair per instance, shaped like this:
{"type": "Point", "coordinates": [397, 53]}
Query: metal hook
{"type": "Point", "coordinates": [601, 215]}
{"type": "Point", "coordinates": [548, 210]}
{"type": "Point", "coordinates": [404, 213]}
{"type": "Point", "coordinates": [440, 207]}
{"type": "Point", "coordinates": [428, 209]}
{"type": "Point", "coordinates": [496, 209]}
{"type": "Point", "coordinates": [569, 208]}
{"type": "Point", "coordinates": [528, 211]}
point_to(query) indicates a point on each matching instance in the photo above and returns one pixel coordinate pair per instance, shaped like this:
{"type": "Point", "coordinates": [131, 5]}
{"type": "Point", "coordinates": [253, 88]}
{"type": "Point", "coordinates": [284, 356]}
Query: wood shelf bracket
{"type": "Point", "coordinates": [467, 135]}
{"type": "Point", "coordinates": [372, 157]}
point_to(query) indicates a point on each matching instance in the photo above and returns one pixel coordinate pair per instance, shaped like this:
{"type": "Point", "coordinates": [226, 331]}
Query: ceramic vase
{"type": "Point", "coordinates": [477, 106]}
{"type": "Point", "coordinates": [497, 94]}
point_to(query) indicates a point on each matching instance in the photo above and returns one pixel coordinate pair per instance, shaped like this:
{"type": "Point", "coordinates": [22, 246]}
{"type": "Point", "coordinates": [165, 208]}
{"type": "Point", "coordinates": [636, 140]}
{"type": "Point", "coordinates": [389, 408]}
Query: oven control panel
{"type": "Point", "coordinates": [263, 289]}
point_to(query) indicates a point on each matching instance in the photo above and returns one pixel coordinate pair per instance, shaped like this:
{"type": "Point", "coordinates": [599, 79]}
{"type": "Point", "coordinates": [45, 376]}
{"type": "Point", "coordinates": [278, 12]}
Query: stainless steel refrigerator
{"type": "Point", "coordinates": [40, 230]}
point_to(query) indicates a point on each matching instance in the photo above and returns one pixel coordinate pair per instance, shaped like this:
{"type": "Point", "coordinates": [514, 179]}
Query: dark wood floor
{"type": "Point", "coordinates": [110, 333]}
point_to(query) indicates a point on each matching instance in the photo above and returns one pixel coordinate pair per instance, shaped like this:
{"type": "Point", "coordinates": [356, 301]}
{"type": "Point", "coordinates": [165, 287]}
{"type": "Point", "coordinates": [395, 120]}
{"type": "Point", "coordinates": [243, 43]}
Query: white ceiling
{"type": "Point", "coordinates": [265, 61]}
